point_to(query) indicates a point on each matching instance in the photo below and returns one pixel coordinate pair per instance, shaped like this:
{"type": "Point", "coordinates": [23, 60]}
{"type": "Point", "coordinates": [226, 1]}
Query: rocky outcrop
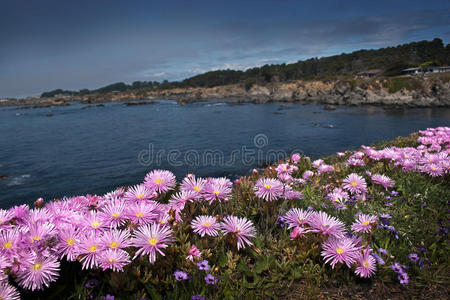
{"type": "Point", "coordinates": [403, 91]}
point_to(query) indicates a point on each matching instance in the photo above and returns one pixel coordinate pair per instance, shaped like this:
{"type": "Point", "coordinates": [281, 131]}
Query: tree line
{"type": "Point", "coordinates": [390, 60]}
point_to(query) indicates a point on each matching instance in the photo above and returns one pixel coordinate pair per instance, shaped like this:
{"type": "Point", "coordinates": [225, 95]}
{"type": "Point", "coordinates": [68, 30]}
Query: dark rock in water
{"type": "Point", "coordinates": [2, 177]}
{"type": "Point", "coordinates": [277, 113]}
{"type": "Point", "coordinates": [93, 106]}
{"type": "Point", "coordinates": [49, 115]}
{"type": "Point", "coordinates": [329, 107]}
{"type": "Point", "coordinates": [139, 103]}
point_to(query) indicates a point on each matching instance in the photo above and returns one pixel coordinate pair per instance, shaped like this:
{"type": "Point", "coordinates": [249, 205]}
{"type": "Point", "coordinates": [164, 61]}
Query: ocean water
{"type": "Point", "coordinates": [78, 151]}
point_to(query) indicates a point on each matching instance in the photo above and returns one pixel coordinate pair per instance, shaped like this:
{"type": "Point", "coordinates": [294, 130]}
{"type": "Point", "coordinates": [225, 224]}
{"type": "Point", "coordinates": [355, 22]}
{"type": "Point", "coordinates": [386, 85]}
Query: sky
{"type": "Point", "coordinates": [49, 44]}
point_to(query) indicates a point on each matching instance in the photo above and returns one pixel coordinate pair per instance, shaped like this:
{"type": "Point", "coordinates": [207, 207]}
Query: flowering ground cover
{"type": "Point", "coordinates": [362, 223]}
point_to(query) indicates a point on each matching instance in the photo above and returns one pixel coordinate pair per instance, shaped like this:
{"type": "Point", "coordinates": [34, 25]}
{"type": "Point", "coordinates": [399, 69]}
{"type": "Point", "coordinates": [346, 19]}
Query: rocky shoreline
{"type": "Point", "coordinates": [426, 92]}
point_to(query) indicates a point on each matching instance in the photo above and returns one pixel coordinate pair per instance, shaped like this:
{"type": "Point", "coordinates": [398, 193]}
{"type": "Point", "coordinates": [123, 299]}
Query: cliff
{"type": "Point", "coordinates": [429, 91]}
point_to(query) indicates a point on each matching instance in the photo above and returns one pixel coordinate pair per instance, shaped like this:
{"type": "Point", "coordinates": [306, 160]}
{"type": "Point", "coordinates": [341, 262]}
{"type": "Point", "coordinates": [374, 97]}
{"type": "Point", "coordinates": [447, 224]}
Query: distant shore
{"type": "Point", "coordinates": [431, 91]}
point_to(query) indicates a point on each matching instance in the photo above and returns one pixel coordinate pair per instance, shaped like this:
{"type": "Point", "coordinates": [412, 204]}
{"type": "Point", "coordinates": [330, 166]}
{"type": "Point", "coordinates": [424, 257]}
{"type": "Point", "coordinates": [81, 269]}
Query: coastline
{"type": "Point", "coordinates": [404, 92]}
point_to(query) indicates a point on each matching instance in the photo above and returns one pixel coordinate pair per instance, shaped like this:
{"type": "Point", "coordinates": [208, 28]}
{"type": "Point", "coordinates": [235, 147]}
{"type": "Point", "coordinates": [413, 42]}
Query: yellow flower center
{"type": "Point", "coordinates": [339, 250]}
{"type": "Point", "coordinates": [206, 224]}
{"type": "Point", "coordinates": [112, 260]}
{"type": "Point", "coordinates": [95, 224]}
{"type": "Point", "coordinates": [267, 186]}
{"type": "Point", "coordinates": [197, 189]}
{"type": "Point", "coordinates": [35, 238]}
{"type": "Point", "coordinates": [113, 245]}
{"type": "Point", "coordinates": [158, 181]}
{"type": "Point", "coordinates": [115, 215]}
{"type": "Point", "coordinates": [354, 183]}
{"type": "Point", "coordinates": [140, 196]}
{"type": "Point", "coordinates": [37, 266]}
{"type": "Point", "coordinates": [162, 221]}
{"type": "Point", "coordinates": [365, 264]}
{"type": "Point", "coordinates": [365, 223]}
{"type": "Point", "coordinates": [93, 248]}
{"type": "Point", "coordinates": [7, 245]}
{"type": "Point", "coordinates": [140, 214]}
{"type": "Point", "coordinates": [216, 193]}
{"type": "Point", "coordinates": [70, 242]}
{"type": "Point", "coordinates": [433, 168]}
{"type": "Point", "coordinates": [153, 241]}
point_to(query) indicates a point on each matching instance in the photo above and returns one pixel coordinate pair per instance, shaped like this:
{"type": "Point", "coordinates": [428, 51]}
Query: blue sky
{"type": "Point", "coordinates": [46, 44]}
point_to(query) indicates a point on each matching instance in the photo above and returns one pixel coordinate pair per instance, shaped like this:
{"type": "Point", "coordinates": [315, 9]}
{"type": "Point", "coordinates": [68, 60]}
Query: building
{"type": "Point", "coordinates": [369, 73]}
{"type": "Point", "coordinates": [425, 70]}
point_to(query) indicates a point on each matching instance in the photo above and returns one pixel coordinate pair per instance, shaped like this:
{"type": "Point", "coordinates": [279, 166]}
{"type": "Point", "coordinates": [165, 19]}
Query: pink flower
{"type": "Point", "coordinates": [205, 225]}
{"type": "Point", "coordinates": [194, 185]}
{"type": "Point", "coordinates": [298, 232]}
{"type": "Point", "coordinates": [113, 213]}
{"type": "Point", "coordinates": [217, 189]}
{"type": "Point", "coordinates": [142, 213]}
{"type": "Point", "coordinates": [327, 225]}
{"type": "Point", "coordinates": [68, 242]}
{"type": "Point", "coordinates": [193, 252]}
{"type": "Point", "coordinates": [115, 239]}
{"type": "Point", "coordinates": [138, 193]}
{"type": "Point", "coordinates": [355, 184]}
{"type": "Point", "coordinates": [295, 157]}
{"type": "Point", "coordinates": [241, 228]}
{"type": "Point", "coordinates": [160, 181]}
{"type": "Point", "coordinates": [296, 217]}
{"type": "Point", "coordinates": [339, 250]}
{"type": "Point", "coordinates": [364, 223]}
{"type": "Point", "coordinates": [90, 249]}
{"type": "Point", "coordinates": [150, 239]}
{"type": "Point", "coordinates": [38, 272]}
{"type": "Point", "coordinates": [268, 189]}
{"type": "Point", "coordinates": [366, 264]}
{"type": "Point", "coordinates": [8, 292]}
{"type": "Point", "coordinates": [383, 180]}
{"type": "Point", "coordinates": [114, 259]}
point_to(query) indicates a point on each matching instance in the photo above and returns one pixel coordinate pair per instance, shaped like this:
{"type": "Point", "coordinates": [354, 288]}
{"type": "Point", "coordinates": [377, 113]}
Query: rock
{"type": "Point", "coordinates": [139, 103]}
{"type": "Point", "coordinates": [329, 107]}
{"type": "Point", "coordinates": [3, 177]}
{"type": "Point", "coordinates": [49, 115]}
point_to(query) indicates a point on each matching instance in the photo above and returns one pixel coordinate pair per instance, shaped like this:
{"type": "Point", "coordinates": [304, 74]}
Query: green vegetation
{"type": "Point", "coordinates": [391, 59]}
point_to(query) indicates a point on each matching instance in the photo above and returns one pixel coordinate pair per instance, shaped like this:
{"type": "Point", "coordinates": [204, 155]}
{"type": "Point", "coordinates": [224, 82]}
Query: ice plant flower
{"type": "Point", "coordinates": [295, 157]}
{"type": "Point", "coordinates": [323, 223]}
{"type": "Point", "coordinates": [355, 184]}
{"type": "Point", "coordinates": [366, 264]}
{"type": "Point", "coordinates": [160, 181]}
{"type": "Point", "coordinates": [114, 259]}
{"type": "Point", "coordinates": [113, 213]}
{"type": "Point", "coordinates": [68, 242]}
{"type": "Point", "coordinates": [383, 180]}
{"type": "Point", "coordinates": [205, 225]}
{"type": "Point", "coordinates": [193, 252]}
{"type": "Point", "coordinates": [268, 189]}
{"type": "Point", "coordinates": [138, 193]}
{"type": "Point", "coordinates": [217, 189]}
{"type": "Point", "coordinates": [192, 184]}
{"type": "Point", "coordinates": [298, 232]}
{"type": "Point", "coordinates": [364, 223]}
{"type": "Point", "coordinates": [141, 213]}
{"type": "Point", "coordinates": [297, 217]}
{"type": "Point", "coordinates": [241, 228]}
{"type": "Point", "coordinates": [38, 272]}
{"type": "Point", "coordinates": [150, 239]}
{"type": "Point", "coordinates": [339, 250]}
{"type": "Point", "coordinates": [90, 250]}
{"type": "Point", "coordinates": [115, 239]}
{"type": "Point", "coordinates": [8, 292]}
